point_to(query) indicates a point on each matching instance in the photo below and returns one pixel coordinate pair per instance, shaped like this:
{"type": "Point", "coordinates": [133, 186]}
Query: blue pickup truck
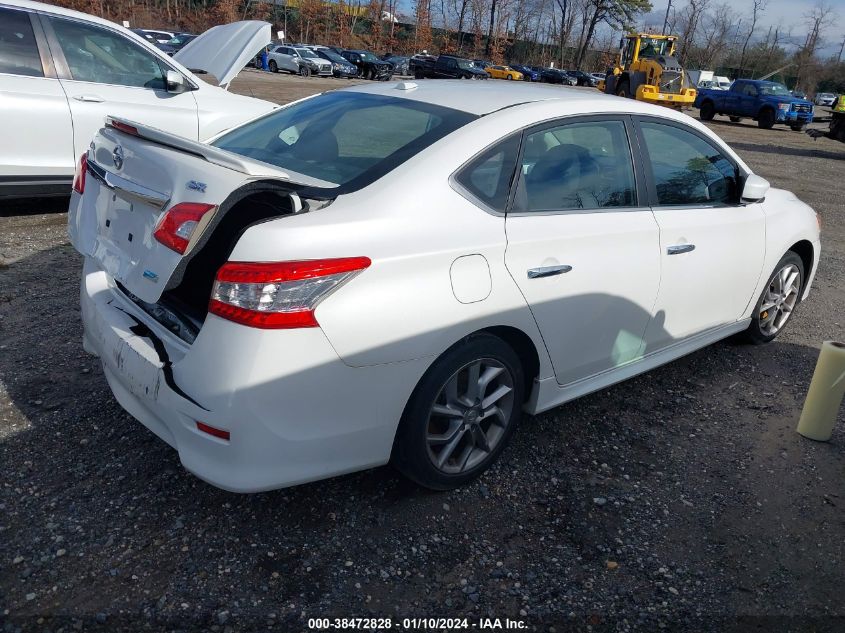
{"type": "Point", "coordinates": [767, 102]}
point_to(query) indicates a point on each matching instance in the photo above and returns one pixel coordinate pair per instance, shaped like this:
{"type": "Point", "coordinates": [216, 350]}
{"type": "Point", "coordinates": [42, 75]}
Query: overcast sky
{"type": "Point", "coordinates": [789, 13]}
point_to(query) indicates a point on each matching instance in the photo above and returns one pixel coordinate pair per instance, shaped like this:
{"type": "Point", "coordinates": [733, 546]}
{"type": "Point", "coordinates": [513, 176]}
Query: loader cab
{"type": "Point", "coordinates": [644, 45]}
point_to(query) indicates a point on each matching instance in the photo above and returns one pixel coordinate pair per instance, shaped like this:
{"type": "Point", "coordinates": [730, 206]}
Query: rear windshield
{"type": "Point", "coordinates": [346, 138]}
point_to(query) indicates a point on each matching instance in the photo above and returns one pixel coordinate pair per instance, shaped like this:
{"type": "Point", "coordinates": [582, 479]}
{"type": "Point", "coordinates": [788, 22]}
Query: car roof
{"type": "Point", "coordinates": [481, 98]}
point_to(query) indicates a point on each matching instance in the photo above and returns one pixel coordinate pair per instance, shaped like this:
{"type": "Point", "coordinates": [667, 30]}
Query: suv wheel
{"type": "Point", "coordinates": [461, 414]}
{"type": "Point", "coordinates": [304, 71]}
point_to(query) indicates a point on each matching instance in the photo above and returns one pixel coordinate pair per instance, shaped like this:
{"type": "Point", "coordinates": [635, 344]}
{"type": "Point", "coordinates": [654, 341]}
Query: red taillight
{"type": "Point", "coordinates": [273, 295]}
{"type": "Point", "coordinates": [123, 127]}
{"type": "Point", "coordinates": [220, 433]}
{"type": "Point", "coordinates": [79, 176]}
{"type": "Point", "coordinates": [179, 224]}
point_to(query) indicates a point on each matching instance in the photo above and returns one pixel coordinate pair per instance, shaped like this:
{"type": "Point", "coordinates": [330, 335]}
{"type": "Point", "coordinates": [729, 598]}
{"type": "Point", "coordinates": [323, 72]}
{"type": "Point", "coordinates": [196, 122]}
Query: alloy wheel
{"type": "Point", "coordinates": [779, 299]}
{"type": "Point", "coordinates": [470, 415]}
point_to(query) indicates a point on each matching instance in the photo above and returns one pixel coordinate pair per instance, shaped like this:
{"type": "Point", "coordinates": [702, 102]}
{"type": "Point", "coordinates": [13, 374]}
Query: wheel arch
{"type": "Point", "coordinates": [524, 347]}
{"type": "Point", "coordinates": [765, 107]}
{"type": "Point", "coordinates": [520, 342]}
{"type": "Point", "coordinates": [804, 250]}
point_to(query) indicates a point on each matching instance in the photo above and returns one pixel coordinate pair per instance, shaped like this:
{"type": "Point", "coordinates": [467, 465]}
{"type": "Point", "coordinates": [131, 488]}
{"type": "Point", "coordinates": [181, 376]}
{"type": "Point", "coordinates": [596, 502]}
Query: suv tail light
{"type": "Point", "coordinates": [179, 224]}
{"type": "Point", "coordinates": [277, 295]}
{"type": "Point", "coordinates": [79, 176]}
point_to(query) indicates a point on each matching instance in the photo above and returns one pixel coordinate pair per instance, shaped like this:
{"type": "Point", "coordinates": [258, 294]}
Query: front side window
{"type": "Point", "coordinates": [18, 49]}
{"type": "Point", "coordinates": [577, 166]}
{"type": "Point", "coordinates": [488, 177]}
{"type": "Point", "coordinates": [103, 56]}
{"type": "Point", "coordinates": [347, 139]}
{"type": "Point", "coordinates": [687, 169]}
{"type": "Point", "coordinates": [773, 89]}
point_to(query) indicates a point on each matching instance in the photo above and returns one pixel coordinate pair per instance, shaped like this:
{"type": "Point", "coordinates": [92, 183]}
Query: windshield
{"type": "Point", "coordinates": [652, 47]}
{"type": "Point", "coordinates": [348, 139]}
{"type": "Point", "coordinates": [335, 57]}
{"type": "Point", "coordinates": [176, 40]}
{"type": "Point", "coordinates": [774, 90]}
{"type": "Point", "coordinates": [369, 57]}
{"type": "Point", "coordinates": [307, 52]}
{"type": "Point", "coordinates": [465, 64]}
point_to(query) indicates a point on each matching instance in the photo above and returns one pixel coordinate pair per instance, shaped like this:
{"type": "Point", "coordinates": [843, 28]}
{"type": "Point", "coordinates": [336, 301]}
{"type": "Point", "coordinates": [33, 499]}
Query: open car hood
{"type": "Point", "coordinates": [224, 50]}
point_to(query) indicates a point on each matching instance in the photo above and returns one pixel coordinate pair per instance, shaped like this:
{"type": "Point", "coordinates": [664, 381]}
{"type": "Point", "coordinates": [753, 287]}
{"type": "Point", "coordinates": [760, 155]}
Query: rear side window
{"type": "Point", "coordinates": [18, 50]}
{"type": "Point", "coordinates": [687, 169]}
{"type": "Point", "coordinates": [348, 139]}
{"type": "Point", "coordinates": [489, 176]}
{"type": "Point", "coordinates": [103, 56]}
{"type": "Point", "coordinates": [577, 166]}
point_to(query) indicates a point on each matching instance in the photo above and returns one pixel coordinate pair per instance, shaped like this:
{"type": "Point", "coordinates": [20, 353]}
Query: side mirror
{"type": "Point", "coordinates": [175, 82]}
{"type": "Point", "coordinates": [755, 188]}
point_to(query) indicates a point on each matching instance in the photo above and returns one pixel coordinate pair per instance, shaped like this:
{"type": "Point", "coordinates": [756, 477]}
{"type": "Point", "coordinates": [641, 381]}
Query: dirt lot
{"type": "Point", "coordinates": [681, 499]}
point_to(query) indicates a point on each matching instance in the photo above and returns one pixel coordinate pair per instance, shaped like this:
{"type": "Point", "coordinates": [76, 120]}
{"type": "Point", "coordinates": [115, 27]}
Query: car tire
{"type": "Point", "coordinates": [766, 120]}
{"type": "Point", "coordinates": [442, 451]}
{"type": "Point", "coordinates": [274, 67]}
{"type": "Point", "coordinates": [798, 128]}
{"type": "Point", "coordinates": [304, 71]}
{"type": "Point", "coordinates": [707, 111]}
{"type": "Point", "coordinates": [510, 77]}
{"type": "Point", "coordinates": [778, 300]}
{"type": "Point", "coordinates": [623, 89]}
{"type": "Point", "coordinates": [735, 119]}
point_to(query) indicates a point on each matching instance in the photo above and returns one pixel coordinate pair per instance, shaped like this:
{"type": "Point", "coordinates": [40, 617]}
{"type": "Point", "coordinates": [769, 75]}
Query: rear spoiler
{"type": "Point", "coordinates": [212, 154]}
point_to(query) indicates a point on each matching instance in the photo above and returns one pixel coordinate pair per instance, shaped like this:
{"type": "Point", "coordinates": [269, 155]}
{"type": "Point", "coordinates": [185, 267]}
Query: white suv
{"type": "Point", "coordinates": [62, 72]}
{"type": "Point", "coordinates": [298, 60]}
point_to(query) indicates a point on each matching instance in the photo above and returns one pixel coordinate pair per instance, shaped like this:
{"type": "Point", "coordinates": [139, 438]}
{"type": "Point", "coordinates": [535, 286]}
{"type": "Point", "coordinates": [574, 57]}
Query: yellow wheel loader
{"type": "Point", "coordinates": [646, 70]}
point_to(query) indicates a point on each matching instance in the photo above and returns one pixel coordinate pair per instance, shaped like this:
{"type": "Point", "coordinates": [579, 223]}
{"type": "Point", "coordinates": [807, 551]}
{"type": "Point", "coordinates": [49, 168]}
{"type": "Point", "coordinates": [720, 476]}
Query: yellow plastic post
{"type": "Point", "coordinates": [827, 389]}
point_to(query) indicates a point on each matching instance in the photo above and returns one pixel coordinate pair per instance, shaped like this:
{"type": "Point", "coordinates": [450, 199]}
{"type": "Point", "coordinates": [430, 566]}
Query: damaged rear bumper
{"type": "Point", "coordinates": [295, 412]}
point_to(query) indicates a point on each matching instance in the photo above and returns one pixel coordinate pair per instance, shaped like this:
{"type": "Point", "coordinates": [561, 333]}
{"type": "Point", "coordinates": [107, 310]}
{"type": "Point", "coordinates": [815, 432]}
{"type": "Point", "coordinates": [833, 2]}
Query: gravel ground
{"type": "Point", "coordinates": [682, 499]}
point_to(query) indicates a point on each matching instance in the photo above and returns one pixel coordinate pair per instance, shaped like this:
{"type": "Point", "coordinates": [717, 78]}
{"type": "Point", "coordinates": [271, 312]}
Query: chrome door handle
{"type": "Point", "coordinates": [89, 98]}
{"type": "Point", "coordinates": [548, 271]}
{"type": "Point", "coordinates": [677, 249]}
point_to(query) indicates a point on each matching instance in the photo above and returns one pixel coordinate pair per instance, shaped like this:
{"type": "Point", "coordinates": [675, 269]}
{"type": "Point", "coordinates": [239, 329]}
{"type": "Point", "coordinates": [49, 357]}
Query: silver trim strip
{"type": "Point", "coordinates": [127, 188]}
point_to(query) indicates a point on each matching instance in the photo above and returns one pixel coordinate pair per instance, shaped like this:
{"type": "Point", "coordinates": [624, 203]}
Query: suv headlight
{"type": "Point", "coordinates": [783, 106]}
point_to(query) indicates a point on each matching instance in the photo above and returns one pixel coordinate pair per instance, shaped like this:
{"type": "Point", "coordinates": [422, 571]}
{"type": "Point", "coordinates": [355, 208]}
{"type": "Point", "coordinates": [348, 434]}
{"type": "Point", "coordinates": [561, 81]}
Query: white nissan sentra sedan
{"type": "Point", "coordinates": [395, 272]}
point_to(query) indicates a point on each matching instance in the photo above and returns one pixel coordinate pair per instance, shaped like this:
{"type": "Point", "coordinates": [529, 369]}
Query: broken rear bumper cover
{"type": "Point", "coordinates": [295, 412]}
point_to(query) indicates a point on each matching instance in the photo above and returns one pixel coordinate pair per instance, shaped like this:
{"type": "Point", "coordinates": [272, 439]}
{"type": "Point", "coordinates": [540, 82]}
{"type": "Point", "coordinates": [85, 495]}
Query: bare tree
{"type": "Point", "coordinates": [759, 7]}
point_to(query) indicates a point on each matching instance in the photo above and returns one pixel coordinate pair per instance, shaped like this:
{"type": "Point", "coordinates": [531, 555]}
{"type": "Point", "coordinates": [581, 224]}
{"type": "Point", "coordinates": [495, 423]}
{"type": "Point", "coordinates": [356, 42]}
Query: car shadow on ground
{"type": "Point", "coordinates": [33, 206]}
{"type": "Point", "coordinates": [789, 151]}
{"type": "Point", "coordinates": [635, 473]}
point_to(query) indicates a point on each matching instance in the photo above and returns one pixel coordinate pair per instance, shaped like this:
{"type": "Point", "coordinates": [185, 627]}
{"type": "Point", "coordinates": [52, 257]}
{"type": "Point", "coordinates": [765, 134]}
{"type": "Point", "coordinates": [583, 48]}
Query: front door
{"type": "Point", "coordinates": [582, 246]}
{"type": "Point", "coordinates": [711, 247]}
{"type": "Point", "coordinates": [106, 73]}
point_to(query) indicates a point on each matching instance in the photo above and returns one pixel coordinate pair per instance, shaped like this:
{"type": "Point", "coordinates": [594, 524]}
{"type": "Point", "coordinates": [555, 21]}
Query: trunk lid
{"type": "Point", "coordinates": [131, 183]}
{"type": "Point", "coordinates": [224, 50]}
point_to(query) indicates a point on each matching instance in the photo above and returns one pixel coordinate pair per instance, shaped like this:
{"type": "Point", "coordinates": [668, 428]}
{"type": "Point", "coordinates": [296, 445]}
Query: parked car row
{"type": "Point", "coordinates": [327, 61]}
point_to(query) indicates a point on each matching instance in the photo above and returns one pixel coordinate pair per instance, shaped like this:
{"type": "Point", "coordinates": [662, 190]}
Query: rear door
{"type": "Point", "coordinates": [582, 244]}
{"type": "Point", "coordinates": [36, 134]}
{"type": "Point", "coordinates": [104, 72]}
{"type": "Point", "coordinates": [711, 247]}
